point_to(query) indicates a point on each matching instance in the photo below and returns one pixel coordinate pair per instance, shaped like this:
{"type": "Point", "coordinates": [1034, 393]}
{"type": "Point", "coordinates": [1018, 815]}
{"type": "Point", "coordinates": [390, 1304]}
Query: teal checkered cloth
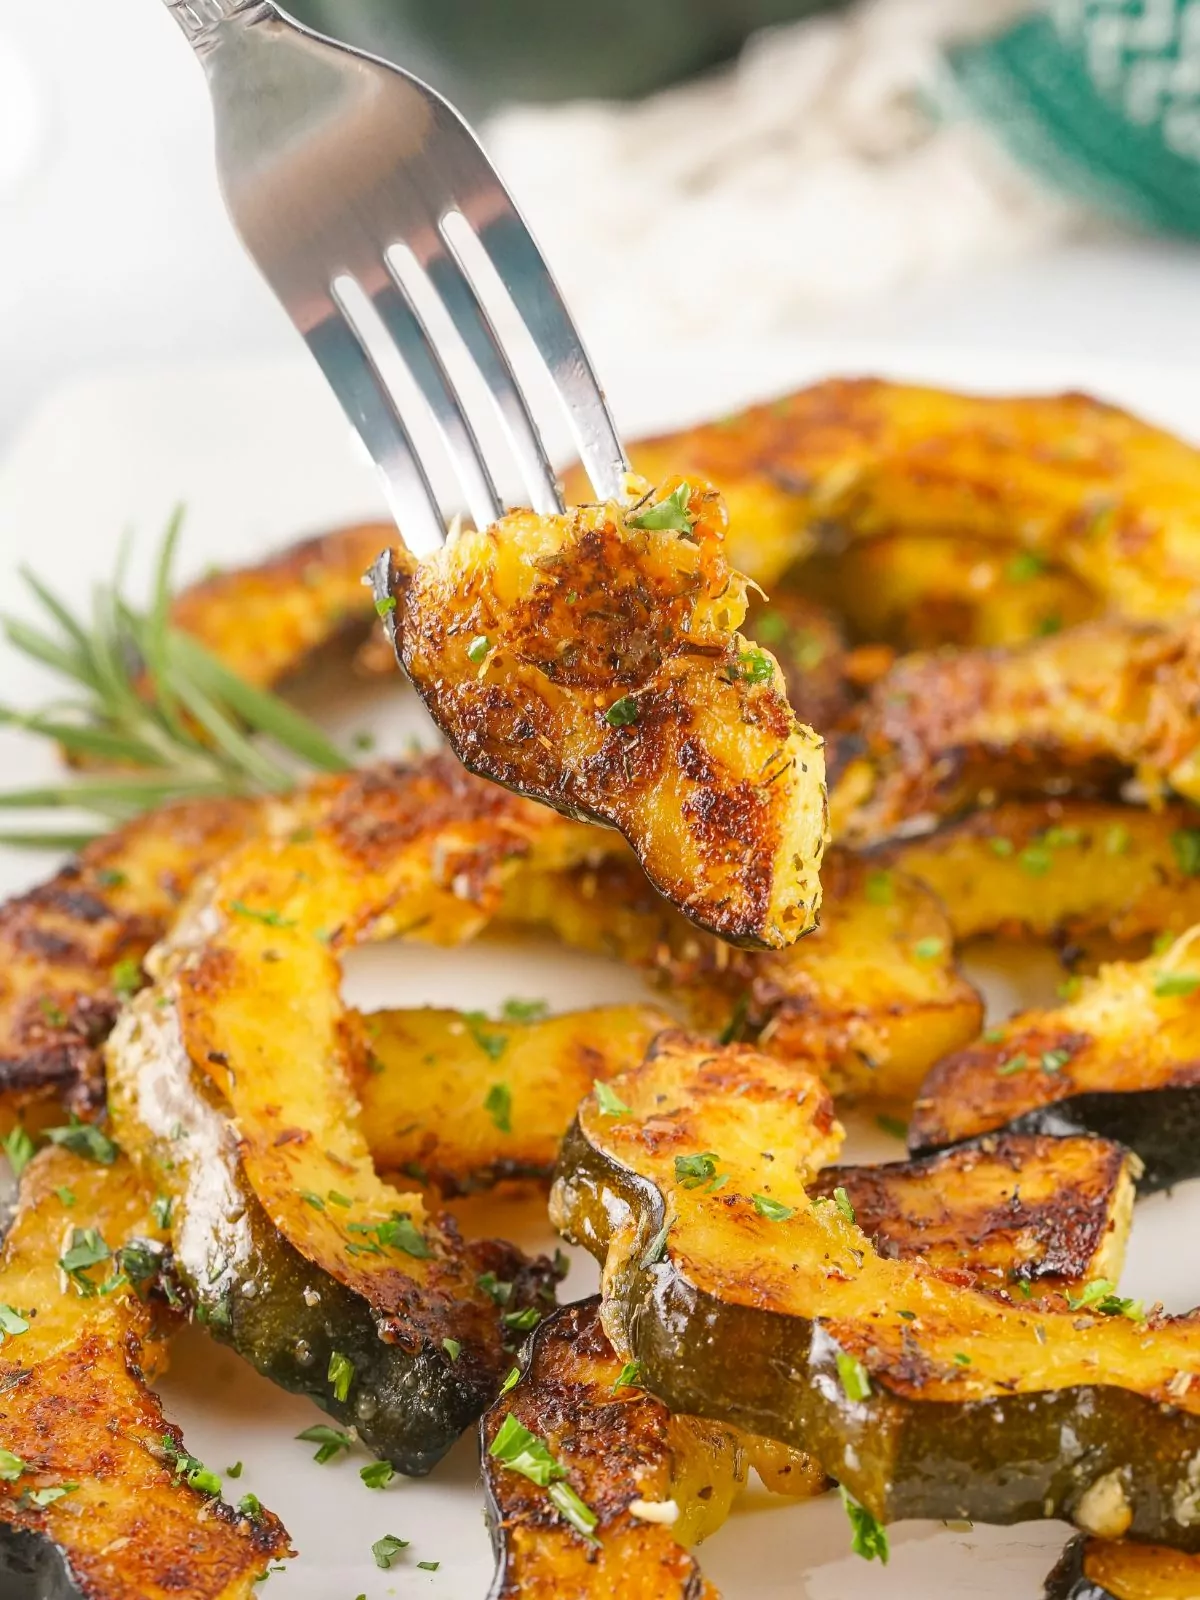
{"type": "Point", "coordinates": [1103, 98]}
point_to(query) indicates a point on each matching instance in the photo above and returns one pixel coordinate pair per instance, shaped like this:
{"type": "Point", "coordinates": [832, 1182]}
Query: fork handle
{"type": "Point", "coordinates": [202, 19]}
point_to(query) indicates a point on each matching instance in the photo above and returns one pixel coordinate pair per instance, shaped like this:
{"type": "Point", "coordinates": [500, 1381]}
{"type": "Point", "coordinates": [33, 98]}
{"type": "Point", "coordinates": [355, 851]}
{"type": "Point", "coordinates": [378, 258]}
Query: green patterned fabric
{"type": "Point", "coordinates": [1103, 98]}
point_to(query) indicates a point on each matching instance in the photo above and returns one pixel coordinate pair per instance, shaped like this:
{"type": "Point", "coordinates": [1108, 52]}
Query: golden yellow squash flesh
{"type": "Point", "coordinates": [593, 661]}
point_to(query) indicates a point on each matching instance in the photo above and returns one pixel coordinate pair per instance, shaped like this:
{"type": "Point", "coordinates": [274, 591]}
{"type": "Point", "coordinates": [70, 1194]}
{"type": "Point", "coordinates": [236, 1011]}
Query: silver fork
{"type": "Point", "coordinates": [360, 193]}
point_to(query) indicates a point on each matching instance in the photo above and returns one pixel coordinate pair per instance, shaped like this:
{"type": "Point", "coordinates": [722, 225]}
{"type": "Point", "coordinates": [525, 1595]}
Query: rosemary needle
{"type": "Point", "coordinates": [151, 713]}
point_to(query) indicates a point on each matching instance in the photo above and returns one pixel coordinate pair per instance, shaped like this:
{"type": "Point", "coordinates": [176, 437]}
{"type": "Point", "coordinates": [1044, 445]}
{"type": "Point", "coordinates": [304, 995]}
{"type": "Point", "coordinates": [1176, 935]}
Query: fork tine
{"type": "Point", "coordinates": [364, 397]}
{"type": "Point", "coordinates": [523, 271]}
{"type": "Point", "coordinates": [475, 328]}
{"type": "Point", "coordinates": [419, 354]}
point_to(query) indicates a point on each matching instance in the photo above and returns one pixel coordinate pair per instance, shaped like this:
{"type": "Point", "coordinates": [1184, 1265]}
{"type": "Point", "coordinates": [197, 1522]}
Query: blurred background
{"type": "Point", "coordinates": [959, 172]}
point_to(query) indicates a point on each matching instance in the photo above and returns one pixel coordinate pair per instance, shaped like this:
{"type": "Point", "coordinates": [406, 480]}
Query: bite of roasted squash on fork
{"type": "Point", "coordinates": [593, 661]}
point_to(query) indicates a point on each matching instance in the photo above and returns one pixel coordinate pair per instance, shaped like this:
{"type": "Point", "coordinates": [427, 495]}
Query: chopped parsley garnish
{"type": "Point", "coordinates": [868, 1535]}
{"type": "Point", "coordinates": [386, 1550]}
{"type": "Point", "coordinates": [340, 1374]}
{"type": "Point", "coordinates": [928, 949]}
{"type": "Point", "coordinates": [54, 1014]}
{"type": "Point", "coordinates": [754, 666]}
{"type": "Point", "coordinates": [623, 713]}
{"type": "Point", "coordinates": [879, 888]}
{"type": "Point", "coordinates": [19, 1148]}
{"type": "Point", "coordinates": [377, 1474]}
{"type": "Point", "coordinates": [1069, 988]}
{"type": "Point", "coordinates": [773, 1210]}
{"type": "Point", "coordinates": [1101, 1295]}
{"type": "Point", "coordinates": [107, 878]}
{"type": "Point", "coordinates": [314, 1200]}
{"type": "Point", "coordinates": [1026, 564]}
{"type": "Point", "coordinates": [493, 1045]}
{"type": "Point", "coordinates": [611, 1105]}
{"type": "Point", "coordinates": [139, 1262]}
{"type": "Point", "coordinates": [1055, 1060]}
{"type": "Point", "coordinates": [428, 1566]}
{"type": "Point", "coordinates": [386, 605]}
{"type": "Point", "coordinates": [453, 1348]}
{"type": "Point", "coordinates": [478, 648]}
{"type": "Point", "coordinates": [892, 1125]}
{"type": "Point", "coordinates": [331, 1441]}
{"type": "Point", "coordinates": [732, 1031]}
{"type": "Point", "coordinates": [1176, 985]}
{"type": "Point", "coordinates": [194, 1472]}
{"type": "Point", "coordinates": [511, 1382]}
{"type": "Point", "coordinates": [127, 977]}
{"type": "Point", "coordinates": [522, 1320]}
{"type": "Point", "coordinates": [1036, 860]}
{"type": "Point", "coordinates": [670, 512]}
{"type": "Point", "coordinates": [11, 1466]}
{"type": "Point", "coordinates": [1048, 625]}
{"type": "Point", "coordinates": [770, 626]}
{"type": "Point", "coordinates": [524, 1010]}
{"type": "Point", "coordinates": [523, 1452]}
{"type": "Point", "coordinates": [249, 1506]}
{"type": "Point", "coordinates": [235, 1471]}
{"type": "Point", "coordinates": [269, 919]}
{"type": "Point", "coordinates": [498, 1105]}
{"type": "Point", "coordinates": [999, 846]}
{"type": "Point", "coordinates": [693, 1171]}
{"type": "Point", "coordinates": [336, 1198]}
{"type": "Point", "coordinates": [1017, 1063]}
{"type": "Point", "coordinates": [1116, 839]}
{"type": "Point", "coordinates": [65, 1195]}
{"type": "Point", "coordinates": [842, 1200]}
{"type": "Point", "coordinates": [85, 1139]}
{"type": "Point", "coordinates": [162, 1207]}
{"type": "Point", "coordinates": [855, 1379]}
{"type": "Point", "coordinates": [87, 1249]}
{"type": "Point", "coordinates": [656, 1249]}
{"type": "Point", "coordinates": [401, 1234]}
{"type": "Point", "coordinates": [1185, 844]}
{"type": "Point", "coordinates": [961, 1360]}
{"type": "Point", "coordinates": [47, 1496]}
{"type": "Point", "coordinates": [629, 1377]}
{"type": "Point", "coordinates": [500, 1291]}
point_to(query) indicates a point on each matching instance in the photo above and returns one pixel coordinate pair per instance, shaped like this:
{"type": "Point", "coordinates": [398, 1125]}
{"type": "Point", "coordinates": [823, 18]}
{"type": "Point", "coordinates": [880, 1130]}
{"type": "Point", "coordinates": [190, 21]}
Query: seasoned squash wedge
{"type": "Point", "coordinates": [870, 1000]}
{"type": "Point", "coordinates": [244, 1026]}
{"type": "Point", "coordinates": [70, 945]}
{"type": "Point", "coordinates": [1087, 874]}
{"type": "Point", "coordinates": [462, 1102]}
{"type": "Point", "coordinates": [653, 1482]}
{"type": "Point", "coordinates": [593, 661]}
{"type": "Point", "coordinates": [918, 592]}
{"type": "Point", "coordinates": [1085, 710]}
{"type": "Point", "coordinates": [101, 1507]}
{"type": "Point", "coordinates": [755, 1305]}
{"type": "Point", "coordinates": [1096, 1569]}
{"type": "Point", "coordinates": [1096, 491]}
{"type": "Point", "coordinates": [1024, 1212]}
{"type": "Point", "coordinates": [1121, 1059]}
{"type": "Point", "coordinates": [266, 621]}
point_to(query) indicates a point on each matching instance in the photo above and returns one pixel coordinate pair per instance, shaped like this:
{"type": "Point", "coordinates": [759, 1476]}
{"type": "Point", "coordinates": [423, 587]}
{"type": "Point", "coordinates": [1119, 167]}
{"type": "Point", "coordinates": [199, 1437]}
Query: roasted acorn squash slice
{"type": "Point", "coordinates": [751, 1303]}
{"type": "Point", "coordinates": [93, 1504]}
{"type": "Point", "coordinates": [593, 661]}
{"type": "Point", "coordinates": [1079, 483]}
{"type": "Point", "coordinates": [1087, 874]}
{"type": "Point", "coordinates": [1084, 711]}
{"type": "Point", "coordinates": [1094, 1569]}
{"type": "Point", "coordinates": [463, 1102]}
{"type": "Point", "coordinates": [71, 945]}
{"type": "Point", "coordinates": [870, 1000]}
{"type": "Point", "coordinates": [1121, 1059]}
{"type": "Point", "coordinates": [335, 1282]}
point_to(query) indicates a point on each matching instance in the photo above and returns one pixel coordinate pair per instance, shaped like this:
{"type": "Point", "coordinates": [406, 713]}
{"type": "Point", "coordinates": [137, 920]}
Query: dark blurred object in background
{"type": "Point", "coordinates": [485, 52]}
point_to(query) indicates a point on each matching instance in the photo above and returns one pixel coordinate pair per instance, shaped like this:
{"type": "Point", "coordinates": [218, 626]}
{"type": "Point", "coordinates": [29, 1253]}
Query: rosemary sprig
{"type": "Point", "coordinates": [152, 714]}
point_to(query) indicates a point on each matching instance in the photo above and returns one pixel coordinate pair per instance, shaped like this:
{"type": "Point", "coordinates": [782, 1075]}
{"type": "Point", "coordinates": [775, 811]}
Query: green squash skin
{"type": "Point", "coordinates": [1161, 1126]}
{"type": "Point", "coordinates": [1013, 1459]}
{"type": "Point", "coordinates": [1068, 1581]}
{"type": "Point", "coordinates": [256, 1293]}
{"type": "Point", "coordinates": [32, 1567]}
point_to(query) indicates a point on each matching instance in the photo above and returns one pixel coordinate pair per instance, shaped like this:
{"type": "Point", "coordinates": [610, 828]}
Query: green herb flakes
{"type": "Point", "coordinates": [386, 1550]}
{"type": "Point", "coordinates": [610, 1103]}
{"type": "Point", "coordinates": [670, 513]}
{"type": "Point", "coordinates": [498, 1105]}
{"type": "Point", "coordinates": [340, 1374]}
{"type": "Point", "coordinates": [85, 1139]}
{"type": "Point", "coordinates": [330, 1441]}
{"type": "Point", "coordinates": [773, 1210]}
{"type": "Point", "coordinates": [842, 1200]}
{"type": "Point", "coordinates": [629, 1377]}
{"type": "Point", "coordinates": [868, 1536]}
{"type": "Point", "coordinates": [377, 1474]}
{"type": "Point", "coordinates": [623, 713]}
{"type": "Point", "coordinates": [478, 648]}
{"type": "Point", "coordinates": [855, 1379]}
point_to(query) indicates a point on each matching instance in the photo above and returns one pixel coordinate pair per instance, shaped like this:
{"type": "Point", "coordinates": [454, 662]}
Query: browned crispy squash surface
{"type": "Point", "coordinates": [1122, 1058]}
{"type": "Point", "coordinates": [76, 1412]}
{"type": "Point", "coordinates": [1082, 484]}
{"type": "Point", "coordinates": [461, 1102]}
{"type": "Point", "coordinates": [870, 1000]}
{"type": "Point", "coordinates": [246, 1002]}
{"type": "Point", "coordinates": [1086, 709]}
{"type": "Point", "coordinates": [69, 945]}
{"type": "Point", "coordinates": [746, 1300]}
{"type": "Point", "coordinates": [1024, 1211]}
{"type": "Point", "coordinates": [623, 1453]}
{"type": "Point", "coordinates": [1094, 1569]}
{"type": "Point", "coordinates": [265, 621]}
{"type": "Point", "coordinates": [1083, 873]}
{"type": "Point", "coordinates": [593, 661]}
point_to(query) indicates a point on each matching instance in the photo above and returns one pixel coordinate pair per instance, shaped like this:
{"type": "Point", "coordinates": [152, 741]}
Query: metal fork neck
{"type": "Point", "coordinates": [202, 20]}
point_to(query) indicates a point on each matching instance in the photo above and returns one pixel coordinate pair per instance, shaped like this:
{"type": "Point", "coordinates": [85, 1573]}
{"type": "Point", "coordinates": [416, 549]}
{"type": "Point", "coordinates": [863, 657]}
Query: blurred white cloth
{"type": "Point", "coordinates": [816, 174]}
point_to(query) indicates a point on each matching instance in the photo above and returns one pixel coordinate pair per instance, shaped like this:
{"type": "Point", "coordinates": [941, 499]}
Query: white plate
{"type": "Point", "coordinates": [259, 454]}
